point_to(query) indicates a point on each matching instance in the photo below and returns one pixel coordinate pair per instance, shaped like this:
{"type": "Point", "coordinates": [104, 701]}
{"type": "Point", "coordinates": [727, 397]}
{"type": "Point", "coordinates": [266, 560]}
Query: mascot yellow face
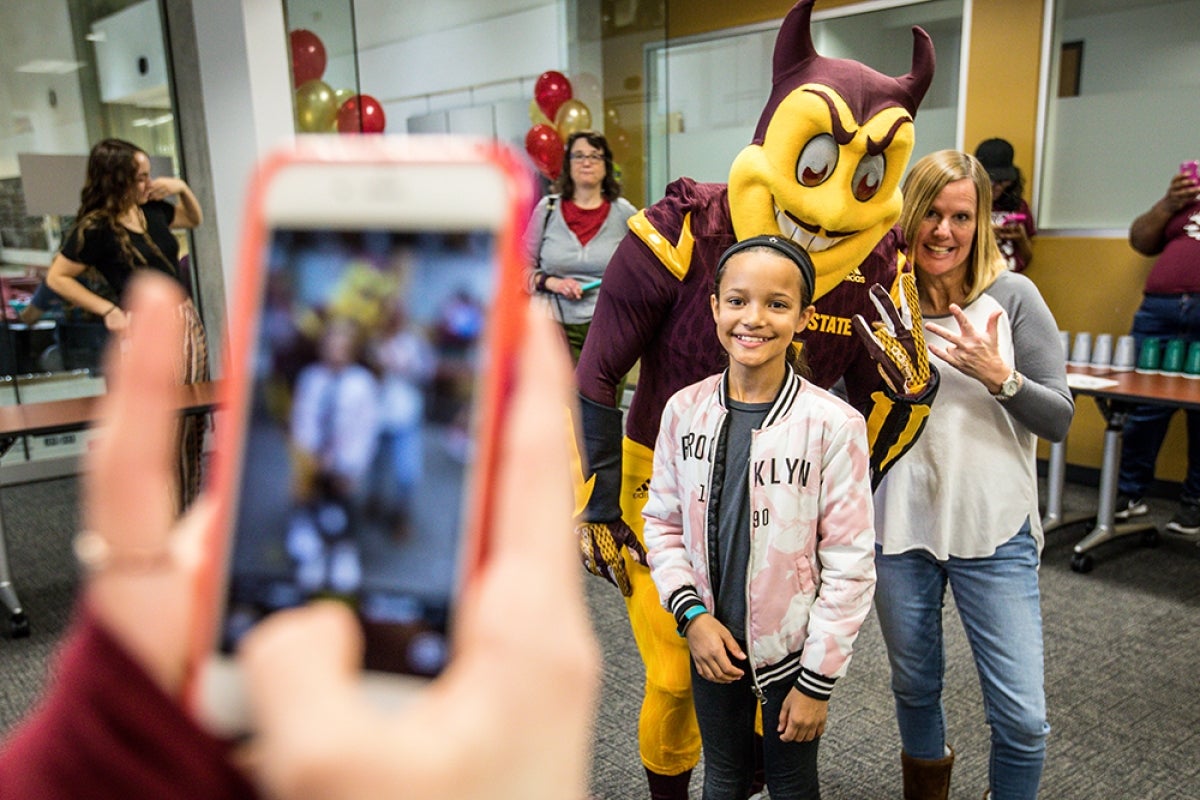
{"type": "Point", "coordinates": [831, 147]}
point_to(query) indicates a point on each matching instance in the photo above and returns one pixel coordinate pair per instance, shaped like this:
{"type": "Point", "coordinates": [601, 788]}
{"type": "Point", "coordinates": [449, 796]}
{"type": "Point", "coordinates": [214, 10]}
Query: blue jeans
{"type": "Point", "coordinates": [396, 470]}
{"type": "Point", "coordinates": [1164, 317]}
{"type": "Point", "coordinates": [725, 713]}
{"type": "Point", "coordinates": [999, 604]}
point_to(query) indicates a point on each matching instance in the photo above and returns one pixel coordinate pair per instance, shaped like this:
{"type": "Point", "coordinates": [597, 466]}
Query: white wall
{"type": "Point", "coordinates": [244, 70]}
{"type": "Point", "coordinates": [475, 64]}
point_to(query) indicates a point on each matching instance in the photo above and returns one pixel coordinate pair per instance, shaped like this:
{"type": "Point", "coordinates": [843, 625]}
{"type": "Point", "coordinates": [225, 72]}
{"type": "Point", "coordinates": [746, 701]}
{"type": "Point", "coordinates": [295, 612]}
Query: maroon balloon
{"type": "Point", "coordinates": [308, 57]}
{"type": "Point", "coordinates": [546, 149]}
{"type": "Point", "coordinates": [551, 91]}
{"type": "Point", "coordinates": [361, 114]}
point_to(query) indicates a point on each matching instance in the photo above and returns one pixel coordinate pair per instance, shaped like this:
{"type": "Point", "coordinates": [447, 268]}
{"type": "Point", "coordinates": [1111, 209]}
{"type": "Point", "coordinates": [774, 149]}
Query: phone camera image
{"type": "Point", "coordinates": [359, 435]}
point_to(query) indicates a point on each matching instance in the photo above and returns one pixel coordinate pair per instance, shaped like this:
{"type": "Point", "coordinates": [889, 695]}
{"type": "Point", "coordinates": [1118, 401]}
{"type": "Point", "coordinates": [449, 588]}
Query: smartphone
{"type": "Point", "coordinates": [1191, 169]}
{"type": "Point", "coordinates": [1013, 219]}
{"type": "Point", "coordinates": [378, 312]}
{"type": "Point", "coordinates": [587, 287]}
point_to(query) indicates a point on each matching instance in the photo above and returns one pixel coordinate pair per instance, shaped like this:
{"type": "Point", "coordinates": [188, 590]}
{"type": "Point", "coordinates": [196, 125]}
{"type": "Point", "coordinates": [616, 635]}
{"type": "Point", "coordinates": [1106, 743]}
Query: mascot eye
{"type": "Point", "coordinates": [868, 176]}
{"type": "Point", "coordinates": [817, 160]}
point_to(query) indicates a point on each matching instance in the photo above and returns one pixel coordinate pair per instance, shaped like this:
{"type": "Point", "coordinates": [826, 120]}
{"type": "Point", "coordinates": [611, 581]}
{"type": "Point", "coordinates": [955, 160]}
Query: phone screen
{"type": "Point", "coordinates": [359, 434]}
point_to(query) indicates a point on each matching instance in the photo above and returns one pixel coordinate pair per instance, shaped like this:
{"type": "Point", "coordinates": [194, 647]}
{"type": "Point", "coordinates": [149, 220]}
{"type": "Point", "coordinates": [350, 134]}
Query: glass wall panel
{"type": "Point", "coordinates": [1123, 112]}
{"type": "Point", "coordinates": [706, 94]}
{"type": "Point", "coordinates": [400, 66]}
{"type": "Point", "coordinates": [73, 72]}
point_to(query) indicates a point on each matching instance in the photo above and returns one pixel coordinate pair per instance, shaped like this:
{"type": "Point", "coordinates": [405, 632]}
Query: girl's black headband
{"type": "Point", "coordinates": [789, 249]}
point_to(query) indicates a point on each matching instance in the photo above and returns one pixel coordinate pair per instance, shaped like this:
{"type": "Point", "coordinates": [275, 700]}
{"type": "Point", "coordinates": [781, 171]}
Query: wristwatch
{"type": "Point", "coordinates": [1010, 386]}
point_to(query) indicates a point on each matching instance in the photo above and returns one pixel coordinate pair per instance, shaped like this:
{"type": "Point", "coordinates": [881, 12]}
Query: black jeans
{"type": "Point", "coordinates": [725, 713]}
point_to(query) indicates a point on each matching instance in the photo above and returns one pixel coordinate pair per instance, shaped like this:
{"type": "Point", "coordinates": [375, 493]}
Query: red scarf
{"type": "Point", "coordinates": [585, 222]}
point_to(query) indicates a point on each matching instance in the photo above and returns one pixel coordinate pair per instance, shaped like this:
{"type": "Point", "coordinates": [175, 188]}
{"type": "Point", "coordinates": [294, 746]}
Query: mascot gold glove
{"type": "Point", "coordinates": [600, 545]}
{"type": "Point", "coordinates": [603, 536]}
{"type": "Point", "coordinates": [896, 343]}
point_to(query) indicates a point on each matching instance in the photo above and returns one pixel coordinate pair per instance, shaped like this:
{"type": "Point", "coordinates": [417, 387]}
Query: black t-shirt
{"type": "Point", "coordinates": [99, 247]}
{"type": "Point", "coordinates": [733, 540]}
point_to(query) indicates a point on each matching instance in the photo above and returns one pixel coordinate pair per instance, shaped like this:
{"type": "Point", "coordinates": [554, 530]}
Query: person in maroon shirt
{"type": "Point", "coordinates": [1170, 309]}
{"type": "Point", "coordinates": [112, 724]}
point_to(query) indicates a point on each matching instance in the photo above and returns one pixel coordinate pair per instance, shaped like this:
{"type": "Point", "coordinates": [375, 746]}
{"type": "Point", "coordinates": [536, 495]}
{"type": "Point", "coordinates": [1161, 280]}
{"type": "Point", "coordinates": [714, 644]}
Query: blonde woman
{"type": "Point", "coordinates": [961, 507]}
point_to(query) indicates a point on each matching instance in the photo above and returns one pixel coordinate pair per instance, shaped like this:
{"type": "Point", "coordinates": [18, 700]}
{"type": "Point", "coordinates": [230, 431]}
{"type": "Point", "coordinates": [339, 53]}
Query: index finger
{"type": "Point", "coordinates": [533, 436]}
{"type": "Point", "coordinates": [127, 483]}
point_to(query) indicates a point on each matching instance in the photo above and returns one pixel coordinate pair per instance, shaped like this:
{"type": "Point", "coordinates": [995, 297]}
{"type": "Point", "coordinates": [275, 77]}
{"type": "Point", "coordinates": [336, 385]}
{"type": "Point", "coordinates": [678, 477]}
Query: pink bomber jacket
{"type": "Point", "coordinates": [812, 561]}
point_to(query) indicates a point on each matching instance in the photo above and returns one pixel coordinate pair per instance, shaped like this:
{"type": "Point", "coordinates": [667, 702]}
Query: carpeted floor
{"type": "Point", "coordinates": [1122, 689]}
{"type": "Point", "coordinates": [1121, 645]}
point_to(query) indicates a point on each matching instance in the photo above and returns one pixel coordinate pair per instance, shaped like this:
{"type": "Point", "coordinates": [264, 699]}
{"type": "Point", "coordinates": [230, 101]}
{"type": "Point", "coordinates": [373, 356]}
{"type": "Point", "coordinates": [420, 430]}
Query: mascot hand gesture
{"type": "Point", "coordinates": [897, 341]}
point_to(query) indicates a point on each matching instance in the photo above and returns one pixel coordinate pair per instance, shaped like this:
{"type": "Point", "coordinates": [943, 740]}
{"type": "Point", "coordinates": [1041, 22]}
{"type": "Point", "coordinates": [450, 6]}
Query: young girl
{"type": "Point", "coordinates": [760, 531]}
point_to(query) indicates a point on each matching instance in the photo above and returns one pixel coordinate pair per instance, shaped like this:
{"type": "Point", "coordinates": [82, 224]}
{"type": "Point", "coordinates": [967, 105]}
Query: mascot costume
{"type": "Point", "coordinates": [823, 170]}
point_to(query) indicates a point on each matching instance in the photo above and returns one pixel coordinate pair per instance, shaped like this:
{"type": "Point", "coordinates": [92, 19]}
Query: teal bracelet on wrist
{"type": "Point", "coordinates": [688, 616]}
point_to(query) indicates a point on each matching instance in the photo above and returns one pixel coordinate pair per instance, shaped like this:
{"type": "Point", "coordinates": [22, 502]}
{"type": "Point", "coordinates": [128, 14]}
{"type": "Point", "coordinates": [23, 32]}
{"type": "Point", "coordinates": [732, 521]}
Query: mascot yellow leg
{"type": "Point", "coordinates": [668, 738]}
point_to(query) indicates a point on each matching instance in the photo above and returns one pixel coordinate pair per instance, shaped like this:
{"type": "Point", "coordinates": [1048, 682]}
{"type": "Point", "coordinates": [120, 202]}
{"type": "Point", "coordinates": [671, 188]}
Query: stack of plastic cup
{"type": "Point", "coordinates": [1125, 355]}
{"type": "Point", "coordinates": [1102, 350]}
{"type": "Point", "coordinates": [1150, 356]}
{"type": "Point", "coordinates": [1191, 366]}
{"type": "Point", "coordinates": [1173, 357]}
{"type": "Point", "coordinates": [1081, 353]}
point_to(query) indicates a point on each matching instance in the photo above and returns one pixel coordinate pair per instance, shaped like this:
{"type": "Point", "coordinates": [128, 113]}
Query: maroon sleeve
{"type": "Point", "coordinates": [106, 730]}
{"type": "Point", "coordinates": [633, 300]}
{"type": "Point", "coordinates": [1029, 225]}
{"type": "Point", "coordinates": [833, 349]}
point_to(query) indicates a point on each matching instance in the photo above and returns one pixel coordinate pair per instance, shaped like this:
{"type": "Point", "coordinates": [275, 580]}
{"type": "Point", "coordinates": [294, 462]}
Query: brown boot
{"type": "Point", "coordinates": [926, 779]}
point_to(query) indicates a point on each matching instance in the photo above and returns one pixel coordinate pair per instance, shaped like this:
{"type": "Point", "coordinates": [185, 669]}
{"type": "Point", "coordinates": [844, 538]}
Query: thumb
{"type": "Point", "coordinates": [300, 665]}
{"type": "Point", "coordinates": [993, 324]}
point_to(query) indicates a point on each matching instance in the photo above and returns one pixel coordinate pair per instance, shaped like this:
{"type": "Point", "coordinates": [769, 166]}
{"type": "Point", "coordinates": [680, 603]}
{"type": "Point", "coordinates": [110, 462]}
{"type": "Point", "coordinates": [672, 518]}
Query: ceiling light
{"type": "Point", "coordinates": [49, 66]}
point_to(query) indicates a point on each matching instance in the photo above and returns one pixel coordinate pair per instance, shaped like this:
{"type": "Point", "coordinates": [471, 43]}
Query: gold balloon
{"type": "Point", "coordinates": [572, 116]}
{"type": "Point", "coordinates": [536, 116]}
{"type": "Point", "coordinates": [316, 107]}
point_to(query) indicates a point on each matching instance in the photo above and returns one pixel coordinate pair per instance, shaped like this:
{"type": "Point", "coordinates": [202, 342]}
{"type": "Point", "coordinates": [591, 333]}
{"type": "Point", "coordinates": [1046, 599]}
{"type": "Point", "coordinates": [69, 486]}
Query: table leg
{"type": "Point", "coordinates": [1056, 476]}
{"type": "Point", "coordinates": [18, 623]}
{"type": "Point", "coordinates": [1107, 528]}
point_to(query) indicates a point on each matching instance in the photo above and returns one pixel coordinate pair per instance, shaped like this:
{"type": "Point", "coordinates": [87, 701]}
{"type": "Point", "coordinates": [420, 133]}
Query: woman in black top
{"type": "Point", "coordinates": [124, 224]}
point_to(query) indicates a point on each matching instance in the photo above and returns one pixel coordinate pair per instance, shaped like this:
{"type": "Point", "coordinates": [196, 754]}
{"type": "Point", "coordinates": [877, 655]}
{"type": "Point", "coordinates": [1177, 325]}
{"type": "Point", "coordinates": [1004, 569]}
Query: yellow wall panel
{"type": "Point", "coordinates": [1002, 79]}
{"type": "Point", "coordinates": [1095, 285]}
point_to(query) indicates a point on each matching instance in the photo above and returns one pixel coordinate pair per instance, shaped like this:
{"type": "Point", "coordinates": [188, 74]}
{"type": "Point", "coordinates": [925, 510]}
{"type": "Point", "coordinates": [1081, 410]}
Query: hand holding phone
{"type": "Point", "coordinates": [526, 668]}
{"type": "Point", "coordinates": [377, 320]}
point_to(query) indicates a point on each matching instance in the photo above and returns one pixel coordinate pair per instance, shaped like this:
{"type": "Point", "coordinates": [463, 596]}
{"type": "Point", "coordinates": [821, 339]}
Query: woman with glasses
{"type": "Point", "coordinates": [574, 232]}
